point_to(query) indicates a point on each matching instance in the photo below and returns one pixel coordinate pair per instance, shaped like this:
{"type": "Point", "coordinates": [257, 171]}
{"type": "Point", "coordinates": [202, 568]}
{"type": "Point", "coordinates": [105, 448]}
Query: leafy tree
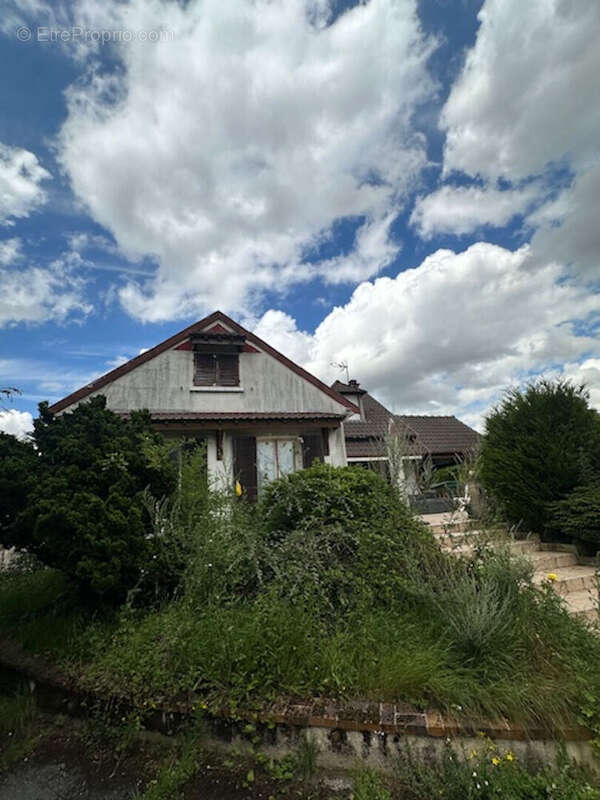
{"type": "Point", "coordinates": [540, 443]}
{"type": "Point", "coordinates": [85, 514]}
{"type": "Point", "coordinates": [18, 465]}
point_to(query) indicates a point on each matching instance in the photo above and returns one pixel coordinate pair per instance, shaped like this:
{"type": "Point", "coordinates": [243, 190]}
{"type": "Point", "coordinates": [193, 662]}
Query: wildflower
{"type": "Point", "coordinates": [238, 489]}
{"type": "Point", "coordinates": [510, 756]}
{"type": "Point", "coordinates": [495, 761]}
{"type": "Point", "coordinates": [552, 576]}
{"type": "Point", "coordinates": [473, 753]}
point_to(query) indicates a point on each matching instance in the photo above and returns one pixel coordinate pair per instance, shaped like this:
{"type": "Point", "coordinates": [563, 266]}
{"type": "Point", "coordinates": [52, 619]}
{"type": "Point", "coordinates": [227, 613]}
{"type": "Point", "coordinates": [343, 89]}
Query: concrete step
{"type": "Point", "coordinates": [531, 545]}
{"type": "Point", "coordinates": [547, 561]}
{"type": "Point", "coordinates": [569, 579]}
{"type": "Point", "coordinates": [464, 542]}
{"type": "Point", "coordinates": [450, 527]}
{"type": "Point", "coordinates": [582, 604]}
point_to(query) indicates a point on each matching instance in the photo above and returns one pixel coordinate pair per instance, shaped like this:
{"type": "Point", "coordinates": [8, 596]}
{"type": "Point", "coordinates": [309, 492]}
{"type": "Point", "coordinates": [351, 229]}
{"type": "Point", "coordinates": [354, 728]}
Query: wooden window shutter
{"type": "Point", "coordinates": [244, 465]}
{"type": "Point", "coordinates": [312, 448]}
{"type": "Point", "coordinates": [205, 369]}
{"type": "Point", "coordinates": [228, 372]}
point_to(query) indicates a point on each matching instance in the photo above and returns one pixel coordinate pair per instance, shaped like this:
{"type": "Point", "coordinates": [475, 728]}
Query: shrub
{"type": "Point", "coordinates": [85, 513]}
{"type": "Point", "coordinates": [323, 496]}
{"type": "Point", "coordinates": [578, 515]}
{"type": "Point", "coordinates": [539, 444]}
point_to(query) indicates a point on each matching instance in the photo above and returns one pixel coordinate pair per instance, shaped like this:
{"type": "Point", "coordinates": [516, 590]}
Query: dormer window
{"type": "Point", "coordinates": [216, 359]}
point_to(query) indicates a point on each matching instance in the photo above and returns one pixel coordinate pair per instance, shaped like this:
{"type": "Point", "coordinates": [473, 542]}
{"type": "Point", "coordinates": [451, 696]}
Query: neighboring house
{"type": "Point", "coordinates": [259, 414]}
{"type": "Point", "coordinates": [375, 433]}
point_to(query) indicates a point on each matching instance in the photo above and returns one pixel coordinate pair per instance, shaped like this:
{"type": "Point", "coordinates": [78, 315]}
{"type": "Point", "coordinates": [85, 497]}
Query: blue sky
{"type": "Point", "coordinates": [407, 187]}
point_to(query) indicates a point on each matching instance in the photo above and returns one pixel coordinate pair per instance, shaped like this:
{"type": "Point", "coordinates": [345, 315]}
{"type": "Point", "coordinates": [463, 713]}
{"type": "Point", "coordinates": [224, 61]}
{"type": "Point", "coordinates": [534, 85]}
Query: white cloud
{"type": "Point", "coordinates": [37, 294]}
{"type": "Point", "coordinates": [20, 177]}
{"type": "Point", "coordinates": [280, 330]}
{"type": "Point", "coordinates": [17, 423]}
{"type": "Point", "coordinates": [117, 361]}
{"type": "Point", "coordinates": [451, 334]}
{"type": "Point", "coordinates": [10, 250]}
{"type": "Point", "coordinates": [227, 152]}
{"type": "Point", "coordinates": [525, 104]}
{"type": "Point", "coordinates": [461, 209]}
{"type": "Point", "coordinates": [567, 227]}
{"type": "Point", "coordinates": [528, 94]}
{"type": "Point", "coordinates": [586, 372]}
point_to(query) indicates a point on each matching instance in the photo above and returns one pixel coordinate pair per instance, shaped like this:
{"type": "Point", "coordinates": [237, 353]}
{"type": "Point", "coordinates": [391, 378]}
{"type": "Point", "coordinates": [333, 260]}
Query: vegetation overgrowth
{"type": "Point", "coordinates": [74, 497]}
{"type": "Point", "coordinates": [305, 595]}
{"type": "Point", "coordinates": [541, 443]}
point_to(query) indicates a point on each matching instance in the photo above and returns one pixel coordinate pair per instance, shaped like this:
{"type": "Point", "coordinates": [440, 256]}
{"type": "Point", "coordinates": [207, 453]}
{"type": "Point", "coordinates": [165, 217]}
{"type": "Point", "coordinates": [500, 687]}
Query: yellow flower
{"type": "Point", "coordinates": [552, 576]}
{"type": "Point", "coordinates": [473, 753]}
{"type": "Point", "coordinates": [510, 756]}
{"type": "Point", "coordinates": [495, 761]}
{"type": "Point", "coordinates": [238, 488]}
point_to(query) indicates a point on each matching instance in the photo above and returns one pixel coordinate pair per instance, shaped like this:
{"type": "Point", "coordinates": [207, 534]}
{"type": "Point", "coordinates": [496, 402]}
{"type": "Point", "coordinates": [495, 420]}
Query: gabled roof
{"type": "Point", "coordinates": [423, 434]}
{"type": "Point", "coordinates": [178, 338]}
{"type": "Point", "coordinates": [441, 435]}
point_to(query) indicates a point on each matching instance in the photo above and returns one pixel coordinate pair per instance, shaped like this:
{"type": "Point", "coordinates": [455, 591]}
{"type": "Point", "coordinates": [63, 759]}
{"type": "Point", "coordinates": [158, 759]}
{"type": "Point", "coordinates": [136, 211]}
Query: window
{"type": "Point", "coordinates": [216, 369]}
{"type": "Point", "coordinates": [274, 458]}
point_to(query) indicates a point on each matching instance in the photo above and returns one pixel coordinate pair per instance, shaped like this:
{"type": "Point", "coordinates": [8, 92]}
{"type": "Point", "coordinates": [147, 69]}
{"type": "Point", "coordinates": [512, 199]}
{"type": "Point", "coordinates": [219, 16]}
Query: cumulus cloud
{"type": "Point", "coordinates": [528, 93]}
{"type": "Point", "coordinates": [9, 251]}
{"type": "Point", "coordinates": [20, 177]}
{"type": "Point", "coordinates": [567, 227]}
{"type": "Point", "coordinates": [462, 209]}
{"type": "Point", "coordinates": [17, 423]}
{"type": "Point", "coordinates": [38, 294]}
{"type": "Point", "coordinates": [526, 104]}
{"type": "Point", "coordinates": [451, 334]}
{"type": "Point", "coordinates": [229, 151]}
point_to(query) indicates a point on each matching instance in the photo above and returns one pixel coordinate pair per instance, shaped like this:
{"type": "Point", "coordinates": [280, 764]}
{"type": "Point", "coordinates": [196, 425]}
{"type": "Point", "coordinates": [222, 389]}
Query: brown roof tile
{"type": "Point", "coordinates": [423, 434]}
{"type": "Point", "coordinates": [441, 435]}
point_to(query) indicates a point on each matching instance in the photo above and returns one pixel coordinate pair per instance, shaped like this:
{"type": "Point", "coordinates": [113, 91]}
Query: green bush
{"type": "Point", "coordinates": [539, 445]}
{"type": "Point", "coordinates": [323, 496]}
{"type": "Point", "coordinates": [84, 512]}
{"type": "Point", "coordinates": [578, 515]}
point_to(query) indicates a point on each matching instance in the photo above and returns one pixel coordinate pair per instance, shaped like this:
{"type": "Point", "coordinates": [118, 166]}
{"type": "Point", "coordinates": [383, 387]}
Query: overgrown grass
{"type": "Point", "coordinates": [343, 610]}
{"type": "Point", "coordinates": [486, 774]}
{"type": "Point", "coordinates": [18, 731]}
{"type": "Point", "coordinates": [41, 610]}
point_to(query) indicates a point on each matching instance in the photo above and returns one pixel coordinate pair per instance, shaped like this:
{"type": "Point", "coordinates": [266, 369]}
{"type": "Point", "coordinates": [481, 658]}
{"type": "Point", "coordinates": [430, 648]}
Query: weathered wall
{"type": "Point", "coordinates": [166, 383]}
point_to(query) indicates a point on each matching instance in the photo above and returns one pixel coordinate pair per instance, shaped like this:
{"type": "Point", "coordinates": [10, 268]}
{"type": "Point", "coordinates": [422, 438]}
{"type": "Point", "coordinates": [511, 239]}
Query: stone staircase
{"type": "Point", "coordinates": [574, 581]}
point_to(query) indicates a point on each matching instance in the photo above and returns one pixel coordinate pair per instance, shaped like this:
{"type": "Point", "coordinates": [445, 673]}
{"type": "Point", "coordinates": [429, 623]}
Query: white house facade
{"type": "Point", "coordinates": [259, 414]}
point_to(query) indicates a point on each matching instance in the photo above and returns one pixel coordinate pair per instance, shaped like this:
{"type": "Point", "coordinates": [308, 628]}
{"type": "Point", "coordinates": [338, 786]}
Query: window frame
{"type": "Point", "coordinates": [217, 369]}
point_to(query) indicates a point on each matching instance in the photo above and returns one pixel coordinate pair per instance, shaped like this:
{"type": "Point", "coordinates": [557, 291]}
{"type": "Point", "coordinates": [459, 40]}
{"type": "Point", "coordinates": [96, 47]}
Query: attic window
{"type": "Point", "coordinates": [216, 369]}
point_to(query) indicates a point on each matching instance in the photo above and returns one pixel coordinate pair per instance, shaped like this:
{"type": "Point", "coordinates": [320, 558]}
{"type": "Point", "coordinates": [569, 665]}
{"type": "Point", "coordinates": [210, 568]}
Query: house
{"type": "Point", "coordinates": [259, 414]}
{"type": "Point", "coordinates": [375, 433]}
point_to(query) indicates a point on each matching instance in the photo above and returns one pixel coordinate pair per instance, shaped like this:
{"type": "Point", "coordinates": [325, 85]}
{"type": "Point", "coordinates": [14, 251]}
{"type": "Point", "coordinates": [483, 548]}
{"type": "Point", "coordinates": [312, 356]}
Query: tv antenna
{"type": "Point", "coordinates": [342, 366]}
